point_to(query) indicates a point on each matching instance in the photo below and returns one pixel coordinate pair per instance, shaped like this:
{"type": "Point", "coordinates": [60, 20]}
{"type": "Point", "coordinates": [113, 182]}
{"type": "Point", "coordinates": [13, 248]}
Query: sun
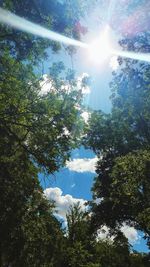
{"type": "Point", "coordinates": [100, 49]}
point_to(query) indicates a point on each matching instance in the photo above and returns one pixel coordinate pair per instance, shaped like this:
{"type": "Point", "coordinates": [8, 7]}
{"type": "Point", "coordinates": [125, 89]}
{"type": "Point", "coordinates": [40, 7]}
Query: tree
{"type": "Point", "coordinates": [77, 229]}
{"type": "Point", "coordinates": [139, 259]}
{"type": "Point", "coordinates": [79, 238]}
{"type": "Point", "coordinates": [43, 125]}
{"type": "Point", "coordinates": [121, 140]}
{"type": "Point", "coordinates": [37, 131]}
{"type": "Point", "coordinates": [17, 182]}
{"type": "Point", "coordinates": [114, 253]}
{"type": "Point", "coordinates": [130, 189]}
{"type": "Point", "coordinates": [27, 225]}
{"type": "Point", "coordinates": [27, 47]}
{"type": "Point", "coordinates": [41, 233]}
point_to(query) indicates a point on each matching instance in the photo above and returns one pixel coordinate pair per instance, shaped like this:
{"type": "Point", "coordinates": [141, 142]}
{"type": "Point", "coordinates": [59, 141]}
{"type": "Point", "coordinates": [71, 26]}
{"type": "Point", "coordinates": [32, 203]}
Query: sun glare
{"type": "Point", "coordinates": [100, 49]}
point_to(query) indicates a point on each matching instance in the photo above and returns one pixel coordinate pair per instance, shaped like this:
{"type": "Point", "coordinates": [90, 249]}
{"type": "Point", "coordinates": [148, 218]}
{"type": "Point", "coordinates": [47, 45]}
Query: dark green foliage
{"type": "Point", "coordinates": [131, 185]}
{"type": "Point", "coordinates": [33, 135]}
{"type": "Point", "coordinates": [83, 249]}
{"type": "Point", "coordinates": [78, 238]}
{"type": "Point", "coordinates": [33, 121]}
{"type": "Point", "coordinates": [39, 130]}
{"type": "Point", "coordinates": [27, 225]}
{"type": "Point", "coordinates": [46, 13]}
{"type": "Point", "coordinates": [113, 254]}
{"type": "Point", "coordinates": [121, 139]}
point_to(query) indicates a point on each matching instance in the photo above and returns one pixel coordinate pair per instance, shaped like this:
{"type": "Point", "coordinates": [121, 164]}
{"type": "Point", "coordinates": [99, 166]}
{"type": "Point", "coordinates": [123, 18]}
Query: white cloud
{"type": "Point", "coordinates": [130, 233]}
{"type": "Point", "coordinates": [66, 87]}
{"type": "Point", "coordinates": [85, 115]}
{"type": "Point", "coordinates": [46, 85]}
{"type": "Point", "coordinates": [66, 131]}
{"type": "Point", "coordinates": [86, 90]}
{"type": "Point", "coordinates": [103, 233]}
{"type": "Point", "coordinates": [81, 86]}
{"type": "Point", "coordinates": [62, 203]}
{"type": "Point", "coordinates": [84, 75]}
{"type": "Point", "coordinates": [114, 63]}
{"type": "Point", "coordinates": [97, 200]}
{"type": "Point", "coordinates": [82, 165]}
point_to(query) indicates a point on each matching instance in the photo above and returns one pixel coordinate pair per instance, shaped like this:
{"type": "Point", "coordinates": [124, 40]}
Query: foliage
{"type": "Point", "coordinates": [121, 140]}
{"type": "Point", "coordinates": [78, 238]}
{"type": "Point", "coordinates": [48, 14]}
{"type": "Point", "coordinates": [27, 225]}
{"type": "Point", "coordinates": [39, 129]}
{"type": "Point", "coordinates": [43, 125]}
{"type": "Point", "coordinates": [130, 184]}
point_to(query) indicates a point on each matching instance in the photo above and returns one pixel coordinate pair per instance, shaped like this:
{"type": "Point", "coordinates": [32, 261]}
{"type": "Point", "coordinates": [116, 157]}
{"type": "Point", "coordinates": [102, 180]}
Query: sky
{"type": "Point", "coordinates": [74, 182]}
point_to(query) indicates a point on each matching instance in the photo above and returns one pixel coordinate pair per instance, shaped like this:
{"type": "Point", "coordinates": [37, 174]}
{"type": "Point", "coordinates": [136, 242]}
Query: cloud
{"type": "Point", "coordinates": [130, 233]}
{"type": "Point", "coordinates": [85, 115]}
{"type": "Point", "coordinates": [82, 84]}
{"type": "Point", "coordinates": [62, 203]}
{"type": "Point", "coordinates": [114, 64]}
{"type": "Point", "coordinates": [86, 90]}
{"type": "Point", "coordinates": [82, 165]}
{"type": "Point", "coordinates": [46, 85]}
{"type": "Point", "coordinates": [103, 233]}
{"type": "Point", "coordinates": [66, 88]}
{"type": "Point", "coordinates": [98, 200]}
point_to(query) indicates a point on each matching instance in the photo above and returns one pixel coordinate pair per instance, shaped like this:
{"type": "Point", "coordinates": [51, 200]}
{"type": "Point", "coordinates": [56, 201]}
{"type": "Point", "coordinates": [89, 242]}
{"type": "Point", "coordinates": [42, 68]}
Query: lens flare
{"type": "Point", "coordinates": [111, 8]}
{"type": "Point", "coordinates": [132, 55]}
{"type": "Point", "coordinates": [100, 49]}
{"type": "Point", "coordinates": [106, 47]}
{"type": "Point", "coordinates": [22, 24]}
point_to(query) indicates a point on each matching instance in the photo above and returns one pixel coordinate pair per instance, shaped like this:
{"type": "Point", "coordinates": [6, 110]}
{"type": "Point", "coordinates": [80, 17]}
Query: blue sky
{"type": "Point", "coordinates": [77, 184]}
{"type": "Point", "coordinates": [73, 183]}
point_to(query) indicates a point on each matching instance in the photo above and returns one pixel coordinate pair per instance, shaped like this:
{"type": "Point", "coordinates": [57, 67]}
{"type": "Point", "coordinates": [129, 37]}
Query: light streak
{"type": "Point", "coordinates": [133, 55]}
{"type": "Point", "coordinates": [22, 24]}
{"type": "Point", "coordinates": [100, 49]}
{"type": "Point", "coordinates": [111, 8]}
{"type": "Point", "coordinates": [127, 54]}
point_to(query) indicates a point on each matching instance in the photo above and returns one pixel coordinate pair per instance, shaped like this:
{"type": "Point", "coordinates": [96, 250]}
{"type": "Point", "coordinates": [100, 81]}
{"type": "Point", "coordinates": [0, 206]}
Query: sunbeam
{"type": "Point", "coordinates": [133, 55]}
{"type": "Point", "coordinates": [22, 24]}
{"type": "Point", "coordinates": [99, 50]}
{"type": "Point", "coordinates": [111, 9]}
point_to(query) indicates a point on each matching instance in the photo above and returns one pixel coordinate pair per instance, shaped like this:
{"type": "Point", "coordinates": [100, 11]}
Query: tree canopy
{"type": "Point", "coordinates": [40, 127]}
{"type": "Point", "coordinates": [121, 141]}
